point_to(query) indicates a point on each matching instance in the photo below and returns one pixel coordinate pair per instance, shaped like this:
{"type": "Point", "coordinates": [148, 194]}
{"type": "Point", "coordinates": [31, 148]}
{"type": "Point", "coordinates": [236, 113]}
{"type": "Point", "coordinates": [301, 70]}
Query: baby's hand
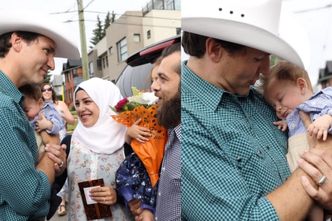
{"type": "Point", "coordinates": [42, 123]}
{"type": "Point", "coordinates": [281, 124]}
{"type": "Point", "coordinates": [320, 127]}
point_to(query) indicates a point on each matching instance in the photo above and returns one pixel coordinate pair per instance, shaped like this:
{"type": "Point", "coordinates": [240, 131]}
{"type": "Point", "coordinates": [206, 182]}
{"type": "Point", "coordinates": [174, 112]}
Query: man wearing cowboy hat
{"type": "Point", "coordinates": [28, 44]}
{"type": "Point", "coordinates": [233, 157]}
{"type": "Point", "coordinates": [325, 75]}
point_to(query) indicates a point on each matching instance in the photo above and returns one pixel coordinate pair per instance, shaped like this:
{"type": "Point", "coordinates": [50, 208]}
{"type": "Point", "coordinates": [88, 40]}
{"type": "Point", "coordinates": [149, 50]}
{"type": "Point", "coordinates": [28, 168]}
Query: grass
{"type": "Point", "coordinates": [71, 127]}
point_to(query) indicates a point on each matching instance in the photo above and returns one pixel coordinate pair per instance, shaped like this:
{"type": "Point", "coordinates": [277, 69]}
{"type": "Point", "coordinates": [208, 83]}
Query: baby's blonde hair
{"type": "Point", "coordinates": [285, 71]}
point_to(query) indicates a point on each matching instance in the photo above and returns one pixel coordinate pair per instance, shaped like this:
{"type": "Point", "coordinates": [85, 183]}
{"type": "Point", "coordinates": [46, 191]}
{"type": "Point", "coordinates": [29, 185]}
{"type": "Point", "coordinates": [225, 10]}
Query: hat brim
{"type": "Point", "coordinates": [65, 46]}
{"type": "Point", "coordinates": [242, 33]}
{"type": "Point", "coordinates": [324, 78]}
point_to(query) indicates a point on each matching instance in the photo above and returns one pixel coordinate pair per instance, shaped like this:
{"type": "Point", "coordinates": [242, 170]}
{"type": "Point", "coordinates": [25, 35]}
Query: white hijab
{"type": "Point", "coordinates": [106, 136]}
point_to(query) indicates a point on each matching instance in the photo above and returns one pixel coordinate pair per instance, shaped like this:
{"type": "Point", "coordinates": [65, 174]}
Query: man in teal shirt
{"type": "Point", "coordinates": [233, 158]}
{"type": "Point", "coordinates": [28, 44]}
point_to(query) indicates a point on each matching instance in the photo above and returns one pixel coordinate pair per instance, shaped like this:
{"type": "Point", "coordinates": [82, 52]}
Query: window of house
{"type": "Point", "coordinates": [137, 37]}
{"type": "Point", "coordinates": [169, 5]}
{"type": "Point", "coordinates": [122, 49]}
{"type": "Point", "coordinates": [178, 31]}
{"type": "Point", "coordinates": [148, 34]}
{"type": "Point", "coordinates": [91, 69]}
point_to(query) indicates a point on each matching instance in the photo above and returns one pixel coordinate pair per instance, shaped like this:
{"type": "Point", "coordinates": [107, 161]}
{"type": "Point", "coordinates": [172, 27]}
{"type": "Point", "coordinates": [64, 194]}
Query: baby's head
{"type": "Point", "coordinates": [33, 101]}
{"type": "Point", "coordinates": [286, 87]}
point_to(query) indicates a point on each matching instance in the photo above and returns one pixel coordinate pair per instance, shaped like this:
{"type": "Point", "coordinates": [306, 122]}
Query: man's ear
{"type": "Point", "coordinates": [214, 50]}
{"type": "Point", "coordinates": [16, 42]}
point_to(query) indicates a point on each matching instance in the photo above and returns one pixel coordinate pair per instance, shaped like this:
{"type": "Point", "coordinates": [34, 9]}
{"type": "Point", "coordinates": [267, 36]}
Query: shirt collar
{"type": "Point", "coordinates": [175, 132]}
{"type": "Point", "coordinates": [9, 88]}
{"type": "Point", "coordinates": [206, 92]}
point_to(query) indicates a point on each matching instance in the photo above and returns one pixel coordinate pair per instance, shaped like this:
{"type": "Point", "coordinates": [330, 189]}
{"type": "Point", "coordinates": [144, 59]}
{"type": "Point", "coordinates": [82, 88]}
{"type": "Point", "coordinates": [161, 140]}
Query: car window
{"type": "Point", "coordinates": [138, 76]}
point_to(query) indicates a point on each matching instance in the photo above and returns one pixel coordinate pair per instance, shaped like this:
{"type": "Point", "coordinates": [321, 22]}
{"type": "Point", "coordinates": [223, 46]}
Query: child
{"type": "Point", "coordinates": [289, 90]}
{"type": "Point", "coordinates": [43, 118]}
{"type": "Point", "coordinates": [133, 182]}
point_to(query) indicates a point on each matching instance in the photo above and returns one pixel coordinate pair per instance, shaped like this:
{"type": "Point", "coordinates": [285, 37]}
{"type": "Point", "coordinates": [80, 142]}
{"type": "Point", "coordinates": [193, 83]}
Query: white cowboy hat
{"type": "Point", "coordinates": [253, 23]}
{"type": "Point", "coordinates": [41, 24]}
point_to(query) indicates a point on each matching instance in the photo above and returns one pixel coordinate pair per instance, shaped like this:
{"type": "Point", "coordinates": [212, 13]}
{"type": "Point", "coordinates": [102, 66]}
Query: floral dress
{"type": "Point", "coordinates": [84, 165]}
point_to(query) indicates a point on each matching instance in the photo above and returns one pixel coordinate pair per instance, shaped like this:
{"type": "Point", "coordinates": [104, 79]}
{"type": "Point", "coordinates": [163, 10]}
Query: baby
{"type": "Point", "coordinates": [43, 118]}
{"type": "Point", "coordinates": [288, 89]}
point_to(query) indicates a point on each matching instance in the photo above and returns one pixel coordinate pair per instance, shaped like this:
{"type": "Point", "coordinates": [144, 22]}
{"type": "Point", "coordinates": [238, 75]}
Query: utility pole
{"type": "Point", "coordinates": [83, 40]}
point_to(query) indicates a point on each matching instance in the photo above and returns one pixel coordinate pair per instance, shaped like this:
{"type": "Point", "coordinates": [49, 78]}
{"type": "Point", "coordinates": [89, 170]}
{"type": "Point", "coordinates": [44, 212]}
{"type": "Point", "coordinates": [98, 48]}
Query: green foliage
{"type": "Point", "coordinates": [47, 78]}
{"type": "Point", "coordinates": [100, 31]}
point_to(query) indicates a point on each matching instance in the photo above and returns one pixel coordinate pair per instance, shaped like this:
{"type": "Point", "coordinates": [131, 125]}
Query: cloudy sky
{"type": "Point", "coordinates": [315, 18]}
{"type": "Point", "coordinates": [66, 11]}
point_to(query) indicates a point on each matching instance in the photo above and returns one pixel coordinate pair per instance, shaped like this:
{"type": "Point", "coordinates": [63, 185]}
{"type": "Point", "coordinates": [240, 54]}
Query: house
{"type": "Point", "coordinates": [72, 71]}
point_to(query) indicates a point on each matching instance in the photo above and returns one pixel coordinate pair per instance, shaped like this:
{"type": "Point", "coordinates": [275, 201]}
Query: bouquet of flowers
{"type": "Point", "coordinates": [142, 105]}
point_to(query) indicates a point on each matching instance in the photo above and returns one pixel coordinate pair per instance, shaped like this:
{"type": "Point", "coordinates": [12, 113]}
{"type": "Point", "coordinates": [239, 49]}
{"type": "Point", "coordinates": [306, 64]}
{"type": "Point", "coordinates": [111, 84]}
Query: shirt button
{"type": "Point", "coordinates": [260, 154]}
{"type": "Point", "coordinates": [159, 194]}
{"type": "Point", "coordinates": [163, 169]}
{"type": "Point", "coordinates": [156, 218]}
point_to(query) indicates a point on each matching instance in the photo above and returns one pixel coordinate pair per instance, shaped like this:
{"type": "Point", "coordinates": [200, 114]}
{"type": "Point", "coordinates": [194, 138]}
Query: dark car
{"type": "Point", "coordinates": [139, 65]}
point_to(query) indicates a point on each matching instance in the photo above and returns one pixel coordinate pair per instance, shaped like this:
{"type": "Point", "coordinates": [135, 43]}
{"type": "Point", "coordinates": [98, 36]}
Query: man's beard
{"type": "Point", "coordinates": [169, 113]}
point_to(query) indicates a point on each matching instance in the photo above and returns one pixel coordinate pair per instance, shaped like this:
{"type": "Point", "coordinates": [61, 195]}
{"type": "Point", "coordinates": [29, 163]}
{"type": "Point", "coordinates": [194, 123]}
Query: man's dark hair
{"type": "Point", "coordinates": [170, 50]}
{"type": "Point", "coordinates": [194, 45]}
{"type": "Point", "coordinates": [5, 45]}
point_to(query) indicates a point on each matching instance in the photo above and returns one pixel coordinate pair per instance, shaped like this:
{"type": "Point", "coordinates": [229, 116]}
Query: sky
{"type": "Point", "coordinates": [66, 11]}
{"type": "Point", "coordinates": [314, 16]}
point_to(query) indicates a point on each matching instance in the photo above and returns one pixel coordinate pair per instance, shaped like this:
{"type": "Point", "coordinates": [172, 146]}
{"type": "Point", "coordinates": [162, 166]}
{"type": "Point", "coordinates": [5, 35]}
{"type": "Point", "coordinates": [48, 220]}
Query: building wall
{"type": "Point", "coordinates": [126, 26]}
{"type": "Point", "coordinates": [162, 24]}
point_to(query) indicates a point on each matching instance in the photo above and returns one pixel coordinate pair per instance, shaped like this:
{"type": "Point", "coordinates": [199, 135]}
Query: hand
{"type": "Point", "coordinates": [319, 128]}
{"type": "Point", "coordinates": [58, 155]}
{"type": "Point", "coordinates": [146, 215]}
{"type": "Point", "coordinates": [281, 124]}
{"type": "Point", "coordinates": [317, 162]}
{"type": "Point", "coordinates": [104, 195]}
{"type": "Point", "coordinates": [141, 134]}
{"type": "Point", "coordinates": [135, 207]}
{"type": "Point", "coordinates": [42, 123]}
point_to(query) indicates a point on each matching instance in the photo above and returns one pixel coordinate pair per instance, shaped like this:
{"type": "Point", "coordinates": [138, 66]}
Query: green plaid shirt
{"type": "Point", "coordinates": [232, 154]}
{"type": "Point", "coordinates": [24, 191]}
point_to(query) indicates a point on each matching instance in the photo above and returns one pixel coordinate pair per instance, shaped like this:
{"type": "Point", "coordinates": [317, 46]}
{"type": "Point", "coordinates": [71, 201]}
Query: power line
{"type": "Point", "coordinates": [126, 23]}
{"type": "Point", "coordinates": [88, 4]}
{"type": "Point", "coordinates": [313, 9]}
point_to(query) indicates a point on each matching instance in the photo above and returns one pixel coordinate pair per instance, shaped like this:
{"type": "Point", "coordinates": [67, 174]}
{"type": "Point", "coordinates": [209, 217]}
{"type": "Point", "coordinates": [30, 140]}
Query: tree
{"type": "Point", "coordinates": [47, 78]}
{"type": "Point", "coordinates": [97, 32]}
{"type": "Point", "coordinates": [106, 23]}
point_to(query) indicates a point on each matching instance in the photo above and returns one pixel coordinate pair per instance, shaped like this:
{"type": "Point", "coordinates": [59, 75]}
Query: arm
{"type": "Point", "coordinates": [48, 138]}
{"type": "Point", "coordinates": [213, 182]}
{"type": "Point", "coordinates": [317, 163]}
{"type": "Point", "coordinates": [142, 134]}
{"type": "Point", "coordinates": [25, 189]}
{"type": "Point", "coordinates": [67, 116]}
{"type": "Point", "coordinates": [52, 123]}
{"type": "Point", "coordinates": [320, 127]}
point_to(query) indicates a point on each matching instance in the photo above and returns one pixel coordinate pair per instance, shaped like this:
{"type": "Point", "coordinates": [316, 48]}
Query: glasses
{"type": "Point", "coordinates": [47, 89]}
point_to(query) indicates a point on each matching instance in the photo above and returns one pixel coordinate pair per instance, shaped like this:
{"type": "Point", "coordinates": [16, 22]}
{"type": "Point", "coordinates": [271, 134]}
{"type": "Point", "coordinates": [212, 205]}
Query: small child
{"type": "Point", "coordinates": [132, 179]}
{"type": "Point", "coordinates": [43, 117]}
{"type": "Point", "coordinates": [288, 89]}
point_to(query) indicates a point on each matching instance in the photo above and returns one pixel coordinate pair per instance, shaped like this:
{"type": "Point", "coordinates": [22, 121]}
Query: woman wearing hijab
{"type": "Point", "coordinates": [96, 149]}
